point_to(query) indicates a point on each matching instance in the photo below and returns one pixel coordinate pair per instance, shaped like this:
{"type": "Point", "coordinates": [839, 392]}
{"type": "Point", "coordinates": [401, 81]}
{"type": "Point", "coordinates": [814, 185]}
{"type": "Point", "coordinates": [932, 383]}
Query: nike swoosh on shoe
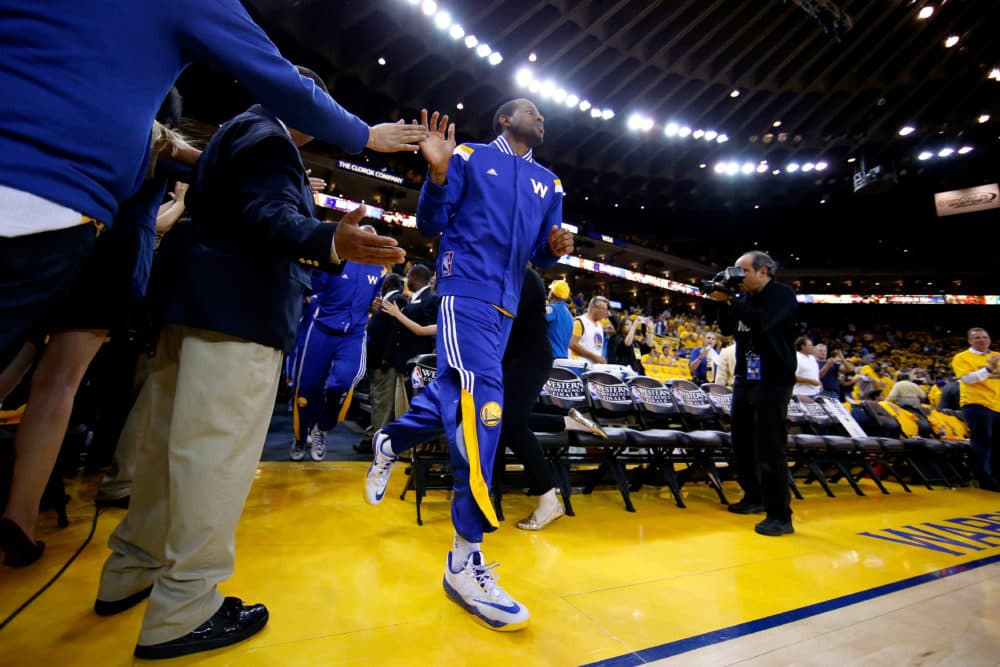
{"type": "Point", "coordinates": [510, 609]}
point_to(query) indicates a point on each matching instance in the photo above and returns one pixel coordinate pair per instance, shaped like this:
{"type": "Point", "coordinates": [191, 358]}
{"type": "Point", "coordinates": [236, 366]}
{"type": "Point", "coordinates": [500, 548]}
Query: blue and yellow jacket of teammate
{"type": "Point", "coordinates": [488, 212]}
{"type": "Point", "coordinates": [343, 301]}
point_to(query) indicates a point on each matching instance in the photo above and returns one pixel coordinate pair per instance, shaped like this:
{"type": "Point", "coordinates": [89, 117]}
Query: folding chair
{"type": "Point", "coordinates": [658, 415]}
{"type": "Point", "coordinates": [842, 452]}
{"type": "Point", "coordinates": [708, 442]}
{"type": "Point", "coordinates": [430, 462]}
{"type": "Point", "coordinates": [871, 448]}
{"type": "Point", "coordinates": [918, 454]}
{"type": "Point", "coordinates": [610, 404]}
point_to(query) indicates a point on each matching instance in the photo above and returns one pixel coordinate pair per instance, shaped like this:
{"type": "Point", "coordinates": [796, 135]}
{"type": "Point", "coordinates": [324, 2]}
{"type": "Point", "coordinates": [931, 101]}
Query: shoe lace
{"type": "Point", "coordinates": [487, 580]}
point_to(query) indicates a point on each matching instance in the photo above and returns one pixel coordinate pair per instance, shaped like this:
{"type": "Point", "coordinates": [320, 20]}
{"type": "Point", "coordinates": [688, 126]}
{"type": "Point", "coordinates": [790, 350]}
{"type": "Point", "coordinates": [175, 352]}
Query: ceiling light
{"type": "Point", "coordinates": [429, 7]}
{"type": "Point", "coordinates": [559, 95]}
{"type": "Point", "coordinates": [994, 74]}
{"type": "Point", "coordinates": [483, 50]}
{"type": "Point", "coordinates": [748, 168]}
{"type": "Point", "coordinates": [547, 89]}
{"type": "Point", "coordinates": [532, 57]}
{"type": "Point", "coordinates": [572, 100]}
{"type": "Point", "coordinates": [906, 130]}
{"type": "Point", "coordinates": [495, 58]}
{"type": "Point", "coordinates": [925, 12]}
{"type": "Point", "coordinates": [925, 155]}
{"type": "Point", "coordinates": [702, 165]}
{"type": "Point", "coordinates": [671, 129]}
{"type": "Point", "coordinates": [945, 152]}
{"type": "Point", "coordinates": [951, 41]}
{"type": "Point", "coordinates": [808, 166]}
{"type": "Point", "coordinates": [756, 206]}
{"type": "Point", "coordinates": [850, 160]}
{"type": "Point", "coordinates": [732, 168]}
{"type": "Point", "coordinates": [719, 167]}
{"type": "Point", "coordinates": [457, 31]}
{"type": "Point", "coordinates": [735, 93]}
{"type": "Point", "coordinates": [413, 2]}
{"type": "Point", "coordinates": [776, 123]}
{"type": "Point", "coordinates": [381, 61]}
{"type": "Point", "coordinates": [607, 114]}
{"type": "Point", "coordinates": [965, 150]}
{"type": "Point", "coordinates": [775, 171]}
{"type": "Point", "coordinates": [722, 138]}
{"type": "Point", "coordinates": [710, 135]}
{"type": "Point", "coordinates": [584, 105]}
{"type": "Point", "coordinates": [684, 131]}
{"type": "Point", "coordinates": [792, 167]}
{"type": "Point", "coordinates": [523, 76]}
{"type": "Point", "coordinates": [822, 201]}
{"type": "Point", "coordinates": [983, 118]}
{"type": "Point", "coordinates": [459, 106]}
{"type": "Point", "coordinates": [595, 113]}
{"type": "Point", "coordinates": [761, 168]}
{"type": "Point", "coordinates": [534, 86]}
{"type": "Point", "coordinates": [471, 41]}
{"type": "Point", "coordinates": [820, 166]}
{"type": "Point", "coordinates": [442, 20]}
{"type": "Point", "coordinates": [698, 134]}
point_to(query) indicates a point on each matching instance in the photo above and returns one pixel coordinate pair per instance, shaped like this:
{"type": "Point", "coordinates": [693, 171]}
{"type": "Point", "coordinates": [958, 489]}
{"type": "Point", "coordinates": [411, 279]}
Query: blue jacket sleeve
{"type": "Point", "coordinates": [541, 256]}
{"type": "Point", "coordinates": [221, 32]}
{"type": "Point", "coordinates": [438, 203]}
{"type": "Point", "coordinates": [270, 191]}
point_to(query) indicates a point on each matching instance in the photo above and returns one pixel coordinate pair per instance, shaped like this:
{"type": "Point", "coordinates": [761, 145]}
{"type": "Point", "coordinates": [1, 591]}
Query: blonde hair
{"type": "Point", "coordinates": [164, 140]}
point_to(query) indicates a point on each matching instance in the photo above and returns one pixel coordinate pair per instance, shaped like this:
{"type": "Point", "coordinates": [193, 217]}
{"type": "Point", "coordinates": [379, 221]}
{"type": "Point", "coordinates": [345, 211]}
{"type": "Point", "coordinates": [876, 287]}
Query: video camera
{"type": "Point", "coordinates": [728, 280]}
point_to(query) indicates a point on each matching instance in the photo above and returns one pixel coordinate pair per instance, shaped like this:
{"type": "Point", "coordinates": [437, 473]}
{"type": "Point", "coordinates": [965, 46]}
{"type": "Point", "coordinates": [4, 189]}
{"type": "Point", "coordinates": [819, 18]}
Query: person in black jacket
{"type": "Point", "coordinates": [383, 332]}
{"type": "Point", "coordinates": [422, 309]}
{"type": "Point", "coordinates": [762, 319]}
{"type": "Point", "coordinates": [254, 238]}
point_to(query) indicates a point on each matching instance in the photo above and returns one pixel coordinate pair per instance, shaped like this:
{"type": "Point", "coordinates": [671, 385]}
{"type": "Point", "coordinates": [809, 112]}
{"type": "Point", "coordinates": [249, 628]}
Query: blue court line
{"type": "Point", "coordinates": [732, 632]}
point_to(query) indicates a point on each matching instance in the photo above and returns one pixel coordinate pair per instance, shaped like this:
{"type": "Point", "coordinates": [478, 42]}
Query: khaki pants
{"type": "Point", "coordinates": [402, 400]}
{"type": "Point", "coordinates": [210, 406]}
{"type": "Point", "coordinates": [118, 483]}
{"type": "Point", "coordinates": [382, 389]}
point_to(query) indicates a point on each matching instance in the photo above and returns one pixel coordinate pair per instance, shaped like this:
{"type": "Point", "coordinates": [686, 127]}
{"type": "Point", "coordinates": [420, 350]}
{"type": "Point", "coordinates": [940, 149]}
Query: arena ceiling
{"type": "Point", "coordinates": [817, 81]}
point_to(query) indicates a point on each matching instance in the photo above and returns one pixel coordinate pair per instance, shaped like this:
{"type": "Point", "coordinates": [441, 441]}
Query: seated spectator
{"type": "Point", "coordinates": [905, 392]}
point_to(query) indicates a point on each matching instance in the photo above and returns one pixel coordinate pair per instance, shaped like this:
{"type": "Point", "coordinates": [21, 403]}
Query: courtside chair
{"type": "Point", "coordinates": [659, 433]}
{"type": "Point", "coordinates": [709, 444]}
{"type": "Point", "coordinates": [610, 401]}
{"type": "Point", "coordinates": [430, 462]}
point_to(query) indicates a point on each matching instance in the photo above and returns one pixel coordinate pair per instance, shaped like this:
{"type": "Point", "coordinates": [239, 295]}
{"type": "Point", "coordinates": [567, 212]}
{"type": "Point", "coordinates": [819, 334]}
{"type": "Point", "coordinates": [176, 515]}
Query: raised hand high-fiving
{"type": "Point", "coordinates": [439, 144]}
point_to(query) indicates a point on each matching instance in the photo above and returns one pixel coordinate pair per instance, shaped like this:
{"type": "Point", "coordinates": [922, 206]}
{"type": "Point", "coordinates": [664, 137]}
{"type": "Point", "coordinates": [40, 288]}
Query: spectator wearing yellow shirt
{"type": "Point", "coordinates": [978, 373]}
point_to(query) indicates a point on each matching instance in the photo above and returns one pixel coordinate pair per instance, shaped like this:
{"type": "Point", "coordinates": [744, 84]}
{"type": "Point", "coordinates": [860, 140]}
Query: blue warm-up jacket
{"type": "Point", "coordinates": [343, 301]}
{"type": "Point", "coordinates": [494, 213]}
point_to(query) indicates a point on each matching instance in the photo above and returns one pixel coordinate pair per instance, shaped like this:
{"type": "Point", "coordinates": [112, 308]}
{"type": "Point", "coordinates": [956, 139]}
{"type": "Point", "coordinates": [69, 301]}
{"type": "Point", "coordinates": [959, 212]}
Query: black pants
{"type": "Point", "coordinates": [760, 443]}
{"type": "Point", "coordinates": [521, 385]}
{"type": "Point", "coordinates": [37, 270]}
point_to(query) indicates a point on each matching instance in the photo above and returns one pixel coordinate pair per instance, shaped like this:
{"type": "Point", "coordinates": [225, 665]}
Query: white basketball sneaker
{"type": "Point", "coordinates": [317, 450]}
{"type": "Point", "coordinates": [474, 587]}
{"type": "Point", "coordinates": [377, 479]}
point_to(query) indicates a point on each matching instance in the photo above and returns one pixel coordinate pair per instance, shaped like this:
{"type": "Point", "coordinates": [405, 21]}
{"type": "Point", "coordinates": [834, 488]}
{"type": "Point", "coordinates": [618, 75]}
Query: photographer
{"type": "Point", "coordinates": [761, 317]}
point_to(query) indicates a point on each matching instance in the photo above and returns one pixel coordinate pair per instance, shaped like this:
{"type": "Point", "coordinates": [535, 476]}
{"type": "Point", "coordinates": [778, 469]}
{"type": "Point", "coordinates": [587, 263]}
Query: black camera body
{"type": "Point", "coordinates": [728, 280]}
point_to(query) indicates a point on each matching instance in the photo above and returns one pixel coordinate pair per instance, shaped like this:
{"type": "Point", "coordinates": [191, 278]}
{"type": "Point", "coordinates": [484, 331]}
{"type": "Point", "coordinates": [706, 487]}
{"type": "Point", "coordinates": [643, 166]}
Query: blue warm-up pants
{"type": "Point", "coordinates": [466, 397]}
{"type": "Point", "coordinates": [329, 365]}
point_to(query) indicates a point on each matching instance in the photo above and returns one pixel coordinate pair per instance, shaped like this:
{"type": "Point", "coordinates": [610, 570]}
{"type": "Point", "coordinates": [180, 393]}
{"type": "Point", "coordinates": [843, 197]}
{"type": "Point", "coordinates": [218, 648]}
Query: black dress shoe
{"type": "Point", "coordinates": [746, 507]}
{"type": "Point", "coordinates": [112, 607]}
{"type": "Point", "coordinates": [774, 527]}
{"type": "Point", "coordinates": [233, 623]}
{"type": "Point", "coordinates": [18, 549]}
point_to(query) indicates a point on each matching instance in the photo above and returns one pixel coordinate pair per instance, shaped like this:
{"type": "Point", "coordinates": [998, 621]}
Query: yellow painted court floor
{"type": "Point", "coordinates": [349, 584]}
